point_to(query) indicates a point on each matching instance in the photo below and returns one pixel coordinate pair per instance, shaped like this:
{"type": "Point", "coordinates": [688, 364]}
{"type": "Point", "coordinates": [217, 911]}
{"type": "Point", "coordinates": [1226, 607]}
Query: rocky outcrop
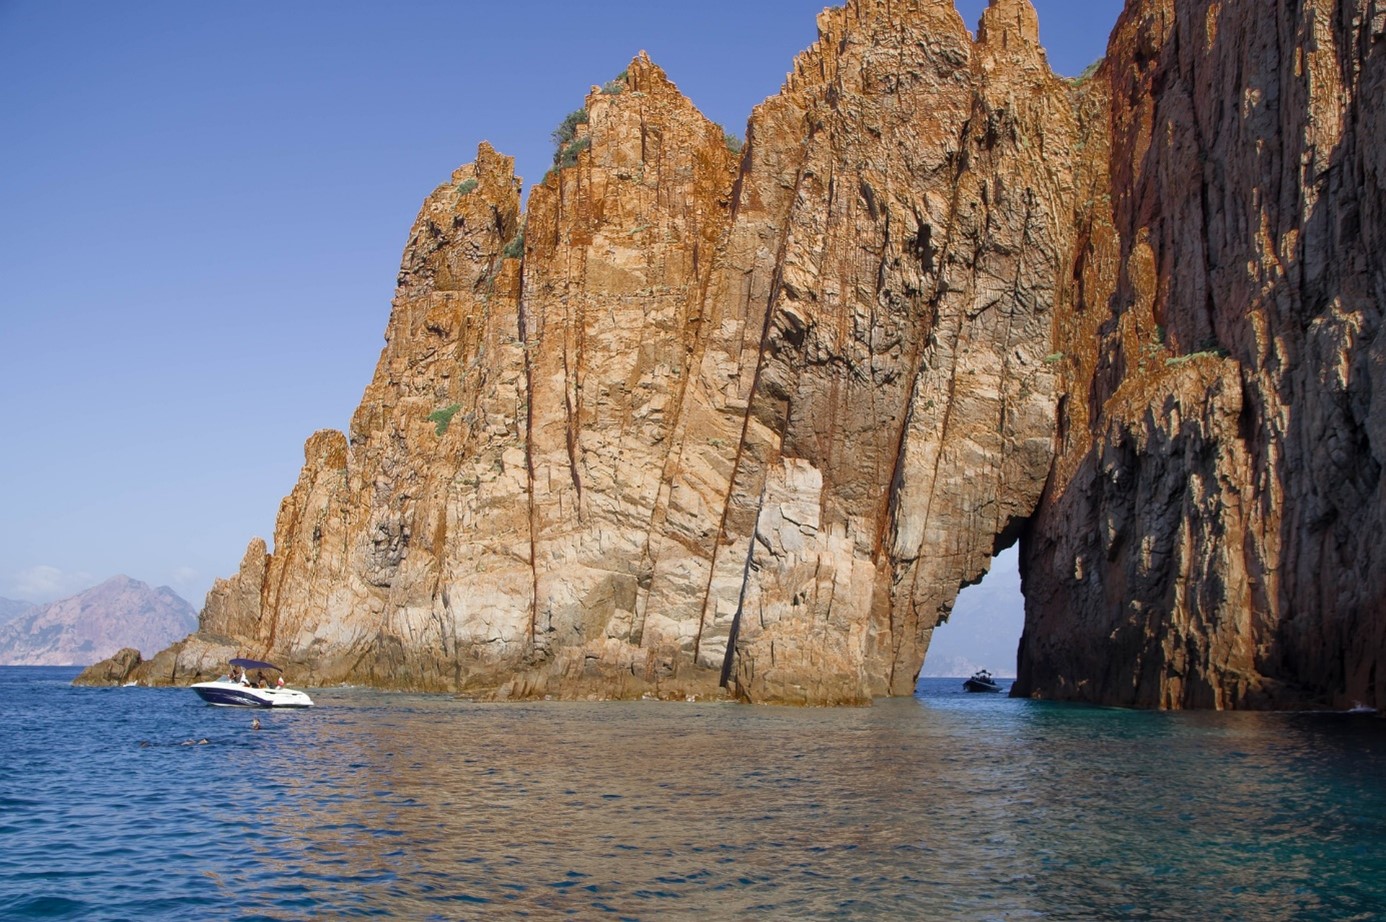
{"type": "Point", "coordinates": [93, 625]}
{"type": "Point", "coordinates": [113, 670]}
{"type": "Point", "coordinates": [1212, 537]}
{"type": "Point", "coordinates": [700, 422]}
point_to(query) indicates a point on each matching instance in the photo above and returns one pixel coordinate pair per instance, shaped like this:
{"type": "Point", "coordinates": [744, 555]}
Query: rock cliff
{"type": "Point", "coordinates": [700, 420]}
{"type": "Point", "coordinates": [1212, 535]}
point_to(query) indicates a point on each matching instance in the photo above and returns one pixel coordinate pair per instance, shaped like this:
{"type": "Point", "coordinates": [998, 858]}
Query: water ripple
{"type": "Point", "coordinates": [944, 807]}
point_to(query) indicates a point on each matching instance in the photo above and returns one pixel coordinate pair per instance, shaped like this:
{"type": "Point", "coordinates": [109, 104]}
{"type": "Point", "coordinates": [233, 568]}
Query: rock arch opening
{"type": "Point", "coordinates": [983, 631]}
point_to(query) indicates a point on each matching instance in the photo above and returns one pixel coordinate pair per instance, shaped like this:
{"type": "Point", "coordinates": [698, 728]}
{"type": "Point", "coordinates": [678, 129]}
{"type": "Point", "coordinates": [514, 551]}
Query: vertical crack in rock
{"type": "Point", "coordinates": [522, 331]}
{"type": "Point", "coordinates": [747, 466]}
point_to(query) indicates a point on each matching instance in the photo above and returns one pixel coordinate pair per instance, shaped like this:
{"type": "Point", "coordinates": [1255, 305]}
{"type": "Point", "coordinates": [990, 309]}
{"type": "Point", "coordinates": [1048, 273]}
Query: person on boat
{"type": "Point", "coordinates": [280, 683]}
{"type": "Point", "coordinates": [244, 679]}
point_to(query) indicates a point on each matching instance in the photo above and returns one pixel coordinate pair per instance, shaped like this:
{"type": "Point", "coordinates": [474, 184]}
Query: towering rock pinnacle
{"type": "Point", "coordinates": [700, 420]}
{"type": "Point", "coordinates": [900, 417]}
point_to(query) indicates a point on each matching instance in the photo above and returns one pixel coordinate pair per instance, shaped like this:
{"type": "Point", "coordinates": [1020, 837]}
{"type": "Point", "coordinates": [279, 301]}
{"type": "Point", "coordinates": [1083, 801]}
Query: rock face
{"type": "Point", "coordinates": [113, 670]}
{"type": "Point", "coordinates": [700, 420]}
{"type": "Point", "coordinates": [1213, 534]}
{"type": "Point", "coordinates": [750, 418]}
{"type": "Point", "coordinates": [95, 624]}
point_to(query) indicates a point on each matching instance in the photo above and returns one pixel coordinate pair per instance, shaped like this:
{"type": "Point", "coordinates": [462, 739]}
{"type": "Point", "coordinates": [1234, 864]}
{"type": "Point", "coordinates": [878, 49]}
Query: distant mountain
{"type": "Point", "coordinates": [948, 667]}
{"type": "Point", "coordinates": [13, 608]}
{"type": "Point", "coordinates": [93, 625]}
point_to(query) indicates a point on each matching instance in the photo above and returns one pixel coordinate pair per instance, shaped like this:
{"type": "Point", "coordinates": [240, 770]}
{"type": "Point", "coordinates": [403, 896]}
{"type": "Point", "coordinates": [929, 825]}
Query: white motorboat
{"type": "Point", "coordinates": [237, 691]}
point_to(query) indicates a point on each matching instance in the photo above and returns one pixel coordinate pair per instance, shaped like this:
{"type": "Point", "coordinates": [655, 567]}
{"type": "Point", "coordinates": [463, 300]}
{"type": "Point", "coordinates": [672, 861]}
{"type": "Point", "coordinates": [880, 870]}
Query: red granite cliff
{"type": "Point", "coordinates": [701, 422]}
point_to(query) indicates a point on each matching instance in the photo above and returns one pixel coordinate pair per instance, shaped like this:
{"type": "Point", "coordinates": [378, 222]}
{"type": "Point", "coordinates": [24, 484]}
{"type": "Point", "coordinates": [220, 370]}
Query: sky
{"type": "Point", "coordinates": [202, 211]}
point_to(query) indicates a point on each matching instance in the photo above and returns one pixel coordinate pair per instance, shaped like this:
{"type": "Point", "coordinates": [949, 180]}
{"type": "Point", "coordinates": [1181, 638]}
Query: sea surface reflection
{"type": "Point", "coordinates": [945, 806]}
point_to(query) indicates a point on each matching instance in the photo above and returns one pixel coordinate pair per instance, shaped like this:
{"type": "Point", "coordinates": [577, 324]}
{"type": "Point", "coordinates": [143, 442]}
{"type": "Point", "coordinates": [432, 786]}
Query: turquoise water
{"type": "Point", "coordinates": [945, 806]}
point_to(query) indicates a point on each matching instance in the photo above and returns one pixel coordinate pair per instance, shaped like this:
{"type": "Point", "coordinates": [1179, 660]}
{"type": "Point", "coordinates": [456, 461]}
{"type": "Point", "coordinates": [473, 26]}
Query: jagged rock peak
{"type": "Point", "coordinates": [621, 117]}
{"type": "Point", "coordinates": [1009, 30]}
{"type": "Point", "coordinates": [463, 226]}
{"type": "Point", "coordinates": [866, 22]}
{"type": "Point", "coordinates": [645, 76]}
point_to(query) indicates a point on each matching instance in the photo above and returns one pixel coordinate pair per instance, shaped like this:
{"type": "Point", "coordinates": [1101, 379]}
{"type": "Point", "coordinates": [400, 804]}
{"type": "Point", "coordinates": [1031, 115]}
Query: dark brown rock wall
{"type": "Point", "coordinates": [1219, 544]}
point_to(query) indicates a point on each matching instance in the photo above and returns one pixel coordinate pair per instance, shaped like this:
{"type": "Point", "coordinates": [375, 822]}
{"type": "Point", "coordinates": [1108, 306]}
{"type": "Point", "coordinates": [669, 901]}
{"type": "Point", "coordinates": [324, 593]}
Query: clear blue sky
{"type": "Point", "coordinates": [202, 209]}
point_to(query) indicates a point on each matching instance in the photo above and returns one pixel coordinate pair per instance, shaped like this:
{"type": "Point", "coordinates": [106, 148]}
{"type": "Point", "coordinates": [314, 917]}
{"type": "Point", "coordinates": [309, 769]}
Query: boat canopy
{"type": "Point", "coordinates": [254, 664]}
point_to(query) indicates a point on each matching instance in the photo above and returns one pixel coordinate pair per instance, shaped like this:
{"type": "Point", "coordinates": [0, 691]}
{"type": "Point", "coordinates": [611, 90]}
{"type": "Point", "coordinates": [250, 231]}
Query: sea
{"type": "Point", "coordinates": [138, 803]}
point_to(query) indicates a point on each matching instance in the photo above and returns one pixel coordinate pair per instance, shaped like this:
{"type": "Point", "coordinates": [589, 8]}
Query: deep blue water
{"type": "Point", "coordinates": [945, 806]}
